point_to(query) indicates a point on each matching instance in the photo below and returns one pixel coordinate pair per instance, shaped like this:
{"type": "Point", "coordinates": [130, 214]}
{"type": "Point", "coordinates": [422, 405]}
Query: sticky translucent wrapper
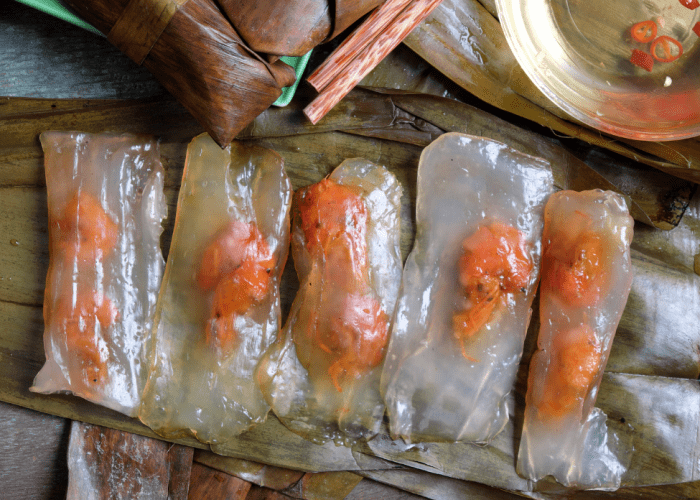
{"type": "Point", "coordinates": [563, 434]}
{"type": "Point", "coordinates": [336, 315]}
{"type": "Point", "coordinates": [106, 205]}
{"type": "Point", "coordinates": [197, 386]}
{"type": "Point", "coordinates": [433, 390]}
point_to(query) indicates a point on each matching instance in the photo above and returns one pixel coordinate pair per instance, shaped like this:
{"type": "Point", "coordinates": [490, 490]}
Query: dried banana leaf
{"type": "Point", "coordinates": [434, 486]}
{"type": "Point", "coordinates": [289, 28]}
{"type": "Point", "coordinates": [403, 69]}
{"type": "Point", "coordinates": [102, 464]}
{"type": "Point", "coordinates": [292, 28]}
{"type": "Point", "coordinates": [324, 486]}
{"type": "Point", "coordinates": [464, 41]}
{"type": "Point", "coordinates": [203, 62]}
{"type": "Point", "coordinates": [656, 419]}
{"type": "Point", "coordinates": [664, 367]}
{"type": "Point", "coordinates": [276, 478]}
{"type": "Point", "coordinates": [655, 198]}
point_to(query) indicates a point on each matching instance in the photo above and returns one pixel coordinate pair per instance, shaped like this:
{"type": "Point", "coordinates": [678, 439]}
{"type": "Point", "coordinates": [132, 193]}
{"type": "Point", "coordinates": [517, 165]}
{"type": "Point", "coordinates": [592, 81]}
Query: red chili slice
{"type": "Point", "coordinates": [642, 59]}
{"type": "Point", "coordinates": [644, 32]}
{"type": "Point", "coordinates": [696, 28]}
{"type": "Point", "coordinates": [690, 4]}
{"type": "Point", "coordinates": [666, 44]}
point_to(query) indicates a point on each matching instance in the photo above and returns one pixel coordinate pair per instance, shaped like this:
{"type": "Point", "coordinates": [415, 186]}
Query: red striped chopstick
{"type": "Point", "coordinates": [369, 30]}
{"type": "Point", "coordinates": [369, 57]}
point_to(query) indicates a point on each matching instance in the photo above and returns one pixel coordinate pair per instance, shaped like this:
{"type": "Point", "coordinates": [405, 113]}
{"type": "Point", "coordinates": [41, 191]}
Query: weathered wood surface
{"type": "Point", "coordinates": [107, 463]}
{"type": "Point", "coordinates": [33, 454]}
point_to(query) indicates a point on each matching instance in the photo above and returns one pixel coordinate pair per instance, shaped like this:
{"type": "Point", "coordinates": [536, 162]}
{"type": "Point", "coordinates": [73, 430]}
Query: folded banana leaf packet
{"type": "Point", "coordinates": [292, 27]}
{"type": "Point", "coordinates": [194, 52]}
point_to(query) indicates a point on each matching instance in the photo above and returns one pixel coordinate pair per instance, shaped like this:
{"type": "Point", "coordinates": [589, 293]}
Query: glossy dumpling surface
{"type": "Point", "coordinates": [106, 205]}
{"type": "Point", "coordinates": [465, 304]}
{"type": "Point", "coordinates": [586, 279]}
{"type": "Point", "coordinates": [322, 379]}
{"type": "Point", "coordinates": [219, 307]}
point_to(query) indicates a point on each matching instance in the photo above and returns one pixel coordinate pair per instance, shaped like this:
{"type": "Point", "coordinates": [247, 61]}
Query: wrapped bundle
{"type": "Point", "coordinates": [106, 205]}
{"type": "Point", "coordinates": [219, 306]}
{"type": "Point", "coordinates": [292, 28]}
{"type": "Point", "coordinates": [322, 378]}
{"type": "Point", "coordinates": [586, 279]}
{"type": "Point", "coordinates": [196, 55]}
{"type": "Point", "coordinates": [468, 285]}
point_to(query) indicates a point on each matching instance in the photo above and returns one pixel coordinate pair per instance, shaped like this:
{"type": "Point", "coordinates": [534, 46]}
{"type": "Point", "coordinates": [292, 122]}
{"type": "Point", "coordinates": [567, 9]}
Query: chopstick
{"type": "Point", "coordinates": [369, 30]}
{"type": "Point", "coordinates": [371, 55]}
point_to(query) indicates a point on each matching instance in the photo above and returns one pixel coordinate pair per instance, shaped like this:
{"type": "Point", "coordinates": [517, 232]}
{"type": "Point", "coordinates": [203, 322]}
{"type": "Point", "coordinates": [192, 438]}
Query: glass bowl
{"type": "Point", "coordinates": [579, 53]}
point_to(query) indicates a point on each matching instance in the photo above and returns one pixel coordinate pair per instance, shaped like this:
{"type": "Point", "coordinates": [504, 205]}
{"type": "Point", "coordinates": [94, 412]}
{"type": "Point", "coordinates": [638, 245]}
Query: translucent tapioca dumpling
{"type": "Point", "coordinates": [219, 307]}
{"type": "Point", "coordinates": [106, 205]}
{"type": "Point", "coordinates": [322, 378]}
{"type": "Point", "coordinates": [465, 303]}
{"type": "Point", "coordinates": [586, 279]}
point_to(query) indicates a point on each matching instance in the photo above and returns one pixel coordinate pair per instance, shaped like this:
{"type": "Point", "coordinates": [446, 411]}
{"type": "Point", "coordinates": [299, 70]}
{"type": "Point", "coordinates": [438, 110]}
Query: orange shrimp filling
{"type": "Point", "coordinates": [577, 274]}
{"type": "Point", "coordinates": [86, 232]}
{"type": "Point", "coordinates": [494, 262]}
{"type": "Point", "coordinates": [236, 243]}
{"type": "Point", "coordinates": [84, 235]}
{"type": "Point", "coordinates": [333, 219]}
{"type": "Point", "coordinates": [330, 211]}
{"type": "Point", "coordinates": [79, 320]}
{"type": "Point", "coordinates": [574, 367]}
{"type": "Point", "coordinates": [237, 264]}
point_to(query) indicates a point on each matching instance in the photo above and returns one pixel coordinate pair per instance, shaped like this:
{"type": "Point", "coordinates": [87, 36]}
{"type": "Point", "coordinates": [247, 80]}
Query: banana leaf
{"type": "Point", "coordinates": [198, 57]}
{"type": "Point", "coordinates": [464, 41]}
{"type": "Point", "coordinates": [418, 119]}
{"type": "Point", "coordinates": [652, 372]}
{"type": "Point", "coordinates": [276, 478]}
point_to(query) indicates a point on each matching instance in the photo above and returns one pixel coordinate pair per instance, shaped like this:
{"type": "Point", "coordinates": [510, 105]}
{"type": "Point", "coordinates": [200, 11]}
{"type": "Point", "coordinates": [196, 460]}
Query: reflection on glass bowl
{"type": "Point", "coordinates": [579, 54]}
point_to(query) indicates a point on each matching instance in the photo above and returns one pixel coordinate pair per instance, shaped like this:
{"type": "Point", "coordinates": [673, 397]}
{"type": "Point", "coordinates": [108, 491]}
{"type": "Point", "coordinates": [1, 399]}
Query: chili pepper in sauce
{"type": "Point", "coordinates": [690, 4]}
{"type": "Point", "coordinates": [644, 31]}
{"type": "Point", "coordinates": [696, 28]}
{"type": "Point", "coordinates": [662, 49]}
{"type": "Point", "coordinates": [642, 59]}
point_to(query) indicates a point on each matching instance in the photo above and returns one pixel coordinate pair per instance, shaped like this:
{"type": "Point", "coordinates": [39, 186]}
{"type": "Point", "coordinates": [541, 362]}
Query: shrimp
{"type": "Point", "coordinates": [237, 265]}
{"type": "Point", "coordinates": [574, 368]}
{"type": "Point", "coordinates": [237, 242]}
{"type": "Point", "coordinates": [586, 279]}
{"type": "Point", "coordinates": [85, 232]}
{"type": "Point", "coordinates": [235, 294]}
{"type": "Point", "coordinates": [78, 319]}
{"type": "Point", "coordinates": [333, 219]}
{"type": "Point", "coordinates": [576, 273]}
{"type": "Point", "coordinates": [494, 262]}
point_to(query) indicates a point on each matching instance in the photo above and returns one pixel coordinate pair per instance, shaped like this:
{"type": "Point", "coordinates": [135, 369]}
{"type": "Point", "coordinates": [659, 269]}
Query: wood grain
{"type": "Point", "coordinates": [369, 57]}
{"type": "Point", "coordinates": [210, 484]}
{"type": "Point", "coordinates": [353, 45]}
{"type": "Point", "coordinates": [33, 454]}
{"type": "Point", "coordinates": [108, 463]}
